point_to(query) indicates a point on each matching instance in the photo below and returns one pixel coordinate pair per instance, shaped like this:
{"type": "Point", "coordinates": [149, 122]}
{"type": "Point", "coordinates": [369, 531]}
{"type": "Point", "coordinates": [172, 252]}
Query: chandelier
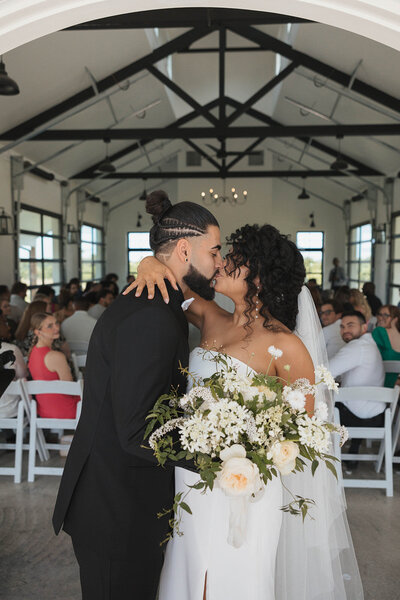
{"type": "Point", "coordinates": [233, 198]}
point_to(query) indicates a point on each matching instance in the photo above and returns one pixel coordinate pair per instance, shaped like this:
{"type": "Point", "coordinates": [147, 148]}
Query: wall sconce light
{"type": "Point", "coordinates": [379, 235]}
{"type": "Point", "coordinates": [5, 223]}
{"type": "Point", "coordinates": [72, 235]}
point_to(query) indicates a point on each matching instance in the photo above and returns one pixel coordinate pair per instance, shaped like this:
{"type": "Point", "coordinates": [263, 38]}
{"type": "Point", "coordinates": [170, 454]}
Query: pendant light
{"type": "Point", "coordinates": [143, 195]}
{"type": "Point", "coordinates": [8, 87]}
{"type": "Point", "coordinates": [339, 164]}
{"type": "Point", "coordinates": [5, 223]}
{"type": "Point", "coordinates": [303, 194]}
{"type": "Point", "coordinates": [106, 165]}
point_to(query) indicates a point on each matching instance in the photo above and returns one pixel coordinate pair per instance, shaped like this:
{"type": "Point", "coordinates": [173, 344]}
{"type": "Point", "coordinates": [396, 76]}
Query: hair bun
{"type": "Point", "coordinates": [157, 204]}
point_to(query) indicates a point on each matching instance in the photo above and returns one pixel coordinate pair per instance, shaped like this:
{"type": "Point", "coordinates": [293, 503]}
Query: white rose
{"type": "Point", "coordinates": [238, 475]}
{"type": "Point", "coordinates": [296, 399]}
{"type": "Point", "coordinates": [284, 456]}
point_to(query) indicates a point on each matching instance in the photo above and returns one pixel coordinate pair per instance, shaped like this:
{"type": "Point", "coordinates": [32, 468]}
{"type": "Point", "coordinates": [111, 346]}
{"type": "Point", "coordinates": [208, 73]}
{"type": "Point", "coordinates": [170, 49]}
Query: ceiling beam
{"type": "Point", "coordinates": [232, 174]}
{"type": "Point", "coordinates": [269, 42]}
{"type": "Point", "coordinates": [279, 131]}
{"type": "Point", "coordinates": [111, 80]}
{"type": "Point", "coordinates": [262, 92]}
{"type": "Point", "coordinates": [182, 94]}
{"type": "Point", "coordinates": [185, 17]}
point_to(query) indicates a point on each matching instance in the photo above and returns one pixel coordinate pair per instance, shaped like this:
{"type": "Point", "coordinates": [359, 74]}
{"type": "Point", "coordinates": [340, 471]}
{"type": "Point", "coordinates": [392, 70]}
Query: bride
{"type": "Point", "coordinates": [281, 558]}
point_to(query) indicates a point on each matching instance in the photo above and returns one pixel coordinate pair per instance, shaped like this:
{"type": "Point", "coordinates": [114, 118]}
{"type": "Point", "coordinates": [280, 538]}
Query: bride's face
{"type": "Point", "coordinates": [232, 283]}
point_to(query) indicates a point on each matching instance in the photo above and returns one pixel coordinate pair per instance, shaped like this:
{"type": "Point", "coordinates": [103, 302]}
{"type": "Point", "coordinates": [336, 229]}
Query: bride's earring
{"type": "Point", "coordinates": [257, 302]}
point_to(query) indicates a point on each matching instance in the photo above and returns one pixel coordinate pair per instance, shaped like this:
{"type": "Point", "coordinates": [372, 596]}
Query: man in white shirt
{"type": "Point", "coordinates": [18, 293]}
{"type": "Point", "coordinates": [358, 363]}
{"type": "Point", "coordinates": [104, 299]}
{"type": "Point", "coordinates": [330, 314]}
{"type": "Point", "coordinates": [79, 326]}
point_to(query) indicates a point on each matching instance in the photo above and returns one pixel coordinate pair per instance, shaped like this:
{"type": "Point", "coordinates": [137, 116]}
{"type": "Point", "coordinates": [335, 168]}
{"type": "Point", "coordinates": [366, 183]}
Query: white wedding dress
{"type": "Point", "coordinates": [232, 573]}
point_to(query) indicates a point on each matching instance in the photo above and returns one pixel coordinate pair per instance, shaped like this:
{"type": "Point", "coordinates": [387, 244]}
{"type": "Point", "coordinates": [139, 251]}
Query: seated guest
{"type": "Point", "coordinates": [5, 308]}
{"type": "Point", "coordinates": [113, 278]}
{"type": "Point", "coordinates": [78, 327]}
{"type": "Point", "coordinates": [358, 363]}
{"type": "Point", "coordinates": [342, 295]}
{"type": "Point", "coordinates": [74, 288]}
{"type": "Point", "coordinates": [24, 334]}
{"type": "Point", "coordinates": [330, 314]}
{"type": "Point", "coordinates": [50, 292]}
{"type": "Point", "coordinates": [104, 299]}
{"type": "Point", "coordinates": [44, 298]}
{"type": "Point", "coordinates": [369, 292]}
{"type": "Point", "coordinates": [316, 296]}
{"type": "Point", "coordinates": [66, 308]}
{"type": "Point", "coordinates": [9, 404]}
{"type": "Point", "coordinates": [359, 303]}
{"type": "Point", "coordinates": [387, 337]}
{"type": "Point", "coordinates": [17, 299]}
{"type": "Point", "coordinates": [46, 364]}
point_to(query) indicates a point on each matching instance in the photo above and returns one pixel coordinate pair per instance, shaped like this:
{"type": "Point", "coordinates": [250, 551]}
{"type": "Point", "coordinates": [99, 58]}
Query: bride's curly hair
{"type": "Point", "coordinates": [276, 261]}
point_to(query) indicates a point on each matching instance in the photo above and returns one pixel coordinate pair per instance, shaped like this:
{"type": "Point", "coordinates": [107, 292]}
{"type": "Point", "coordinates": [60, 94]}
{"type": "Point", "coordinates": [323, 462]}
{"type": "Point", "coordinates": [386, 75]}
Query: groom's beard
{"type": "Point", "coordinates": [199, 284]}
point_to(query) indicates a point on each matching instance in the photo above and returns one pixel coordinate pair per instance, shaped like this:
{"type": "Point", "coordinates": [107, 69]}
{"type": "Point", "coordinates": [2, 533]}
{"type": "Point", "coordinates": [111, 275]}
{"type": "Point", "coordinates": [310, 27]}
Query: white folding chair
{"type": "Point", "coordinates": [389, 397]}
{"type": "Point", "coordinates": [79, 362]}
{"type": "Point", "coordinates": [78, 347]}
{"type": "Point", "coordinates": [16, 424]}
{"type": "Point", "coordinates": [73, 388]}
{"type": "Point", "coordinates": [393, 366]}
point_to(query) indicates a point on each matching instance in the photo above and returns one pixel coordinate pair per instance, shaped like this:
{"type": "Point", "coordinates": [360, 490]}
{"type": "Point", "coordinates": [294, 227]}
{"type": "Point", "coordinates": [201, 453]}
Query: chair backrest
{"type": "Point", "coordinates": [371, 394]}
{"type": "Point", "coordinates": [391, 366]}
{"type": "Point", "coordinates": [14, 389]}
{"type": "Point", "coordinates": [73, 388]}
{"type": "Point", "coordinates": [78, 347]}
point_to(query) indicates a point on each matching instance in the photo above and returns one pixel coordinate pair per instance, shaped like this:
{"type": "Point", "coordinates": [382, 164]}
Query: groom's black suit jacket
{"type": "Point", "coordinates": [112, 488]}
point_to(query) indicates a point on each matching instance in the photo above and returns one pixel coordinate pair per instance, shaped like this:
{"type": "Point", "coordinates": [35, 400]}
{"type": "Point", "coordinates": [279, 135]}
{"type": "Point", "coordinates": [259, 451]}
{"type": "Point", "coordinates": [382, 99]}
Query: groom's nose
{"type": "Point", "coordinates": [218, 261]}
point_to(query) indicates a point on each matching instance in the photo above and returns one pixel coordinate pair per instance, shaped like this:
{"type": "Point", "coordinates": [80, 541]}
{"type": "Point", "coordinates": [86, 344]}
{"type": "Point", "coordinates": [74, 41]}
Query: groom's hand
{"type": "Point", "coordinates": [151, 273]}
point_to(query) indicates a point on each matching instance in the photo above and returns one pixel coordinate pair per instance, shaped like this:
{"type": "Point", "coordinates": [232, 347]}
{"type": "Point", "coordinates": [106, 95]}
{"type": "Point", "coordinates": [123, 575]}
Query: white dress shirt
{"type": "Point", "coordinates": [9, 404]}
{"type": "Point", "coordinates": [359, 363]}
{"type": "Point", "coordinates": [78, 327]}
{"type": "Point", "coordinates": [16, 300]}
{"type": "Point", "coordinates": [96, 311]}
{"type": "Point", "coordinates": [333, 340]}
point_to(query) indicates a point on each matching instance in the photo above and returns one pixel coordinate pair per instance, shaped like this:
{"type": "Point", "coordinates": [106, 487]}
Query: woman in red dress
{"type": "Point", "coordinates": [46, 364]}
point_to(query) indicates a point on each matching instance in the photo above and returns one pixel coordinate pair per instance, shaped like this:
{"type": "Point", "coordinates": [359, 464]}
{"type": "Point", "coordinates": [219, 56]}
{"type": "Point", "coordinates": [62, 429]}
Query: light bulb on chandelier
{"type": "Point", "coordinates": [233, 198]}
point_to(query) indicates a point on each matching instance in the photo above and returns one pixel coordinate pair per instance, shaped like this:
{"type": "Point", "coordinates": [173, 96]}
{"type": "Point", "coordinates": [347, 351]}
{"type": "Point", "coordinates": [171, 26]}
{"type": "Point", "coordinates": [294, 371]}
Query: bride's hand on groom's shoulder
{"type": "Point", "coordinates": [151, 273]}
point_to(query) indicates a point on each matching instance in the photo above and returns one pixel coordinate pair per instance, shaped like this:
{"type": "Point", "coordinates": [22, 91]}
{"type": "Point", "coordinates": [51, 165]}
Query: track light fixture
{"type": "Point", "coordinates": [8, 87]}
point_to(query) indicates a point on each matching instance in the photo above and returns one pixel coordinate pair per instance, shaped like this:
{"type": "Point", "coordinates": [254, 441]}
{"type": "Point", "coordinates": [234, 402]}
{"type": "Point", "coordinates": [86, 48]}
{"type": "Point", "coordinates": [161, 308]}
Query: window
{"type": "Point", "coordinates": [92, 253]}
{"type": "Point", "coordinates": [311, 246]}
{"type": "Point", "coordinates": [40, 249]}
{"type": "Point", "coordinates": [394, 279]}
{"type": "Point", "coordinates": [360, 255]}
{"type": "Point", "coordinates": [138, 248]}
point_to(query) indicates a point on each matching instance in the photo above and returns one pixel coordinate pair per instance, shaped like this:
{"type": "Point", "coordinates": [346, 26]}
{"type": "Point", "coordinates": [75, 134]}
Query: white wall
{"type": "Point", "coordinates": [46, 195]}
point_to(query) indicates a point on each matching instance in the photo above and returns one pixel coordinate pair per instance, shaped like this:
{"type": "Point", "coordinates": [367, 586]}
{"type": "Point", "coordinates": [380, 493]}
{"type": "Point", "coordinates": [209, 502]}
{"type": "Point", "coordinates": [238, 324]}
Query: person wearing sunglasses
{"type": "Point", "coordinates": [387, 337]}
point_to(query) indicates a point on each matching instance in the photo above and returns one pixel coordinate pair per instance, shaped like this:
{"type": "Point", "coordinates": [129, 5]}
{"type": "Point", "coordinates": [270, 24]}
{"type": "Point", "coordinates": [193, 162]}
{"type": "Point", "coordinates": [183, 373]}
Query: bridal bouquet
{"type": "Point", "coordinates": [241, 431]}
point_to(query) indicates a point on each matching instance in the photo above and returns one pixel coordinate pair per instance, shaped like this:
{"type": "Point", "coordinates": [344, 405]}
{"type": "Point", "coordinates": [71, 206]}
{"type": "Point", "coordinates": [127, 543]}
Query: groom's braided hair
{"type": "Point", "coordinates": [173, 222]}
{"type": "Point", "coordinates": [278, 263]}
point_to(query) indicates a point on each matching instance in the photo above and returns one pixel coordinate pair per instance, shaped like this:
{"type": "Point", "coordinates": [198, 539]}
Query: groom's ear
{"type": "Point", "coordinates": [183, 250]}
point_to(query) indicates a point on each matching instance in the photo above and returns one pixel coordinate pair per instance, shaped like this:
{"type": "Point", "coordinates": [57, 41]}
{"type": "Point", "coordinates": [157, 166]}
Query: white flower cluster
{"type": "Point", "coordinates": [220, 428]}
{"type": "Point", "coordinates": [303, 385]}
{"type": "Point", "coordinates": [344, 434]}
{"type": "Point", "coordinates": [313, 434]}
{"type": "Point", "coordinates": [188, 401]}
{"type": "Point", "coordinates": [235, 383]}
{"type": "Point", "coordinates": [161, 431]}
{"type": "Point", "coordinates": [323, 375]}
{"type": "Point", "coordinates": [321, 411]}
{"type": "Point", "coordinates": [268, 423]}
{"type": "Point", "coordinates": [275, 352]}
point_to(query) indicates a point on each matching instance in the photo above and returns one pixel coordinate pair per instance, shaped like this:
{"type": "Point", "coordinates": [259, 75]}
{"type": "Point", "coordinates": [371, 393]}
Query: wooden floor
{"type": "Point", "coordinates": [37, 565]}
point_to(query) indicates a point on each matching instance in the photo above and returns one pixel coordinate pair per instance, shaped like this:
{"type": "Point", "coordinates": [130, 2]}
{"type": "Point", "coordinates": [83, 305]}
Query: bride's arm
{"type": "Point", "coordinates": [152, 273]}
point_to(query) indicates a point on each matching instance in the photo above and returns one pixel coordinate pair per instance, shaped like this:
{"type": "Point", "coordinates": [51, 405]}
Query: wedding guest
{"type": "Point", "coordinates": [342, 295]}
{"type": "Point", "coordinates": [104, 299]}
{"type": "Point", "coordinates": [358, 363]}
{"type": "Point", "coordinates": [24, 334]}
{"type": "Point", "coordinates": [74, 288]}
{"type": "Point", "coordinates": [387, 337]}
{"type": "Point", "coordinates": [5, 307]}
{"type": "Point", "coordinates": [316, 296]}
{"type": "Point", "coordinates": [337, 276]}
{"type": "Point", "coordinates": [17, 299]}
{"type": "Point", "coordinates": [330, 314]}
{"type": "Point", "coordinates": [369, 292]}
{"type": "Point", "coordinates": [46, 364]}
{"type": "Point", "coordinates": [111, 286]}
{"type": "Point", "coordinates": [8, 403]}
{"type": "Point", "coordinates": [78, 327]}
{"type": "Point", "coordinates": [359, 302]}
{"type": "Point", "coordinates": [50, 292]}
{"type": "Point", "coordinates": [113, 278]}
{"type": "Point", "coordinates": [44, 298]}
{"type": "Point", "coordinates": [66, 308]}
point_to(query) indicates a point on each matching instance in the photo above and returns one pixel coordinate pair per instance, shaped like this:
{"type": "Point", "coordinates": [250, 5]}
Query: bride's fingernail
{"type": "Point", "coordinates": [166, 300]}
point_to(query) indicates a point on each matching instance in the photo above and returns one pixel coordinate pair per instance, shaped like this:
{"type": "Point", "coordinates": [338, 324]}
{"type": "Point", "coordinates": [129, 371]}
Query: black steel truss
{"type": "Point", "coordinates": [224, 174]}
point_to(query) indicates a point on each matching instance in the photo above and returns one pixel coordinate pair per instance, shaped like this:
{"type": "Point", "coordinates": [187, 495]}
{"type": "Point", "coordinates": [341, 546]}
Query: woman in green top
{"type": "Point", "coordinates": [387, 337]}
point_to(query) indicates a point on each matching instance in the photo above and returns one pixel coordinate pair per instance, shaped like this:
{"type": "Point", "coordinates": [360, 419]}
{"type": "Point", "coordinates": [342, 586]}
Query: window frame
{"type": "Point", "coordinates": [129, 249]}
{"type": "Point", "coordinates": [359, 261]}
{"type": "Point", "coordinates": [392, 261]}
{"type": "Point", "coordinates": [92, 261]}
{"type": "Point", "coordinates": [41, 234]}
{"type": "Point", "coordinates": [321, 249]}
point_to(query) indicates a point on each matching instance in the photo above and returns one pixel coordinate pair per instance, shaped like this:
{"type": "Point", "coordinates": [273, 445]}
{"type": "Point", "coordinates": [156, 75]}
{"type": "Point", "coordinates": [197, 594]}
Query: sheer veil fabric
{"type": "Point", "coordinates": [316, 559]}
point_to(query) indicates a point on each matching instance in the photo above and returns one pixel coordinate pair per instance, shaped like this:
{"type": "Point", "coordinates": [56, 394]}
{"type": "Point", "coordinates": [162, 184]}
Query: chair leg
{"type": "Point", "coordinates": [18, 443]}
{"type": "Point", "coordinates": [381, 453]}
{"type": "Point", "coordinates": [396, 432]}
{"type": "Point", "coordinates": [388, 454]}
{"type": "Point", "coordinates": [32, 443]}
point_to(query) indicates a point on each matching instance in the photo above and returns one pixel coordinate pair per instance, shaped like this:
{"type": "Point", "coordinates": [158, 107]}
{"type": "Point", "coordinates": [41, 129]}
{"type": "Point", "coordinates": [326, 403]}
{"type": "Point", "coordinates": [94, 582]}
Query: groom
{"type": "Point", "coordinates": [112, 488]}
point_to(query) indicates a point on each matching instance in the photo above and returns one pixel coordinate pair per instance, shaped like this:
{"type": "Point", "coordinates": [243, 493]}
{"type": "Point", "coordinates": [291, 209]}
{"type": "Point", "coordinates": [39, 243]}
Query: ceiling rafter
{"type": "Point", "coordinates": [224, 174]}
